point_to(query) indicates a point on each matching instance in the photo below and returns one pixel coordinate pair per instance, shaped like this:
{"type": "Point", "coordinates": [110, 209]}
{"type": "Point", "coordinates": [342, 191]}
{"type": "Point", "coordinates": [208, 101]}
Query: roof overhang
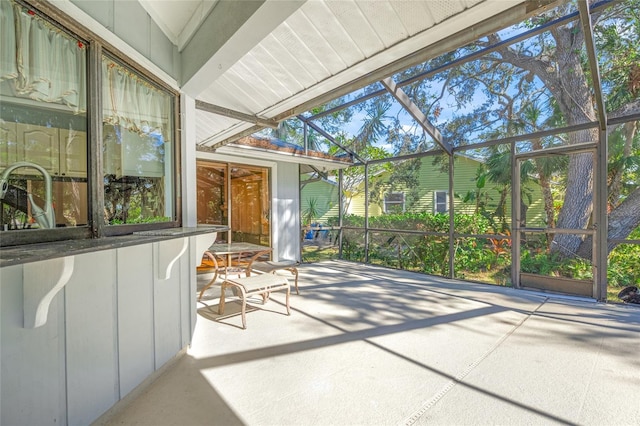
{"type": "Point", "coordinates": [325, 49]}
{"type": "Point", "coordinates": [322, 164]}
{"type": "Point", "coordinates": [255, 63]}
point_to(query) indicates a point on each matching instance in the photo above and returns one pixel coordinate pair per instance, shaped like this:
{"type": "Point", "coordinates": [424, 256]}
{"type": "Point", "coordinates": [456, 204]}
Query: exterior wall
{"type": "Point", "coordinates": [325, 195]}
{"type": "Point", "coordinates": [114, 323]}
{"type": "Point", "coordinates": [431, 179]}
{"type": "Point", "coordinates": [356, 207]}
{"type": "Point", "coordinates": [131, 23]}
{"type": "Point", "coordinates": [286, 211]}
{"type": "Point", "coordinates": [285, 202]}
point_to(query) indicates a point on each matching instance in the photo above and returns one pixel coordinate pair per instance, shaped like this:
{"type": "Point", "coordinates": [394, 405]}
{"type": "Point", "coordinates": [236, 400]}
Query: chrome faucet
{"type": "Point", "coordinates": [45, 218]}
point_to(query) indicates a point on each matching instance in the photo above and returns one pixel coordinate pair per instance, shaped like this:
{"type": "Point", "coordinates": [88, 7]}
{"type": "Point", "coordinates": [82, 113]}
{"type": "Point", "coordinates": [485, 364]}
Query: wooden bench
{"type": "Point", "coordinates": [261, 284]}
{"type": "Point", "coordinates": [271, 266]}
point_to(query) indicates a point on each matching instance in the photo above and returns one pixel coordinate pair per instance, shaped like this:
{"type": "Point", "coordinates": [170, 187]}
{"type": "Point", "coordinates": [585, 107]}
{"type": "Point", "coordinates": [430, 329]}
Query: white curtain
{"type": "Point", "coordinates": [130, 101]}
{"type": "Point", "coordinates": [8, 65]}
{"type": "Point", "coordinates": [40, 61]}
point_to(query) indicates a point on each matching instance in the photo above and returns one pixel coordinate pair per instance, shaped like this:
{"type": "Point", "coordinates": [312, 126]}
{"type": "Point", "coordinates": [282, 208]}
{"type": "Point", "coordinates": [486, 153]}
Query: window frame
{"type": "Point", "coordinates": [227, 195]}
{"type": "Point", "coordinates": [394, 203]}
{"type": "Point", "coordinates": [436, 203]}
{"type": "Point", "coordinates": [96, 228]}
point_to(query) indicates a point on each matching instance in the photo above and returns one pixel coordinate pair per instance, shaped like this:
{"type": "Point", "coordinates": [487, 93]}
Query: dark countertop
{"type": "Point", "coordinates": [16, 255]}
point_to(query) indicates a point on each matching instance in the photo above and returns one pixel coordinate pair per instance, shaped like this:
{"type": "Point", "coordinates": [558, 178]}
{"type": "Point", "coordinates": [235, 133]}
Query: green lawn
{"type": "Point", "coordinates": [313, 253]}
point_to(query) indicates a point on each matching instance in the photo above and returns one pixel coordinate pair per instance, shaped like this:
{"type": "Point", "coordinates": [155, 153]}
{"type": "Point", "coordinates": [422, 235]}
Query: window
{"type": "Point", "coordinates": [235, 194]}
{"type": "Point", "coordinates": [45, 168]}
{"type": "Point", "coordinates": [440, 201]}
{"type": "Point", "coordinates": [43, 124]}
{"type": "Point", "coordinates": [394, 202]}
{"type": "Point", "coordinates": [137, 147]}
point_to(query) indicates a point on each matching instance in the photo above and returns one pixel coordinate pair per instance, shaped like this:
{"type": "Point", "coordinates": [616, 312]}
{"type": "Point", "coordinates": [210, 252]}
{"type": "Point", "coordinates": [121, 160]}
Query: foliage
{"type": "Point", "coordinates": [14, 218]}
{"type": "Point", "coordinates": [402, 177]}
{"type": "Point", "coordinates": [311, 212]}
{"type": "Point", "coordinates": [624, 263]}
{"type": "Point", "coordinates": [133, 200]}
{"type": "Point", "coordinates": [539, 84]}
{"type": "Point", "coordinates": [426, 252]}
{"type": "Point", "coordinates": [313, 254]}
{"type": "Point", "coordinates": [140, 219]}
{"type": "Point", "coordinates": [553, 264]}
{"type": "Point", "coordinates": [488, 258]}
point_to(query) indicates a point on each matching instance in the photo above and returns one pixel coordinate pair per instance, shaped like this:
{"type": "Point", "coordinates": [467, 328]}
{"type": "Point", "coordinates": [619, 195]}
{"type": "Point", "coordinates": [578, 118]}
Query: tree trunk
{"type": "Point", "coordinates": [576, 104]}
{"type": "Point", "coordinates": [622, 221]}
{"type": "Point", "coordinates": [564, 77]}
{"type": "Point", "coordinates": [578, 203]}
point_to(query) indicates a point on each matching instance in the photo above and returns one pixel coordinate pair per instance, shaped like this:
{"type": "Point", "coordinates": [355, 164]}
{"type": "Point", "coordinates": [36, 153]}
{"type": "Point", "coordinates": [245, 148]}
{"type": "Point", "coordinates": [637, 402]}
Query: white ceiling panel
{"type": "Point", "coordinates": [384, 21]}
{"type": "Point", "coordinates": [356, 25]}
{"type": "Point", "coordinates": [207, 123]}
{"type": "Point", "coordinates": [246, 76]}
{"type": "Point", "coordinates": [319, 53]}
{"type": "Point", "coordinates": [273, 87]}
{"type": "Point", "coordinates": [240, 96]}
{"type": "Point", "coordinates": [443, 9]}
{"type": "Point", "coordinates": [301, 77]}
{"type": "Point", "coordinates": [296, 38]}
{"type": "Point", "coordinates": [178, 19]}
{"type": "Point", "coordinates": [415, 15]}
{"type": "Point", "coordinates": [332, 30]}
{"type": "Point", "coordinates": [281, 75]}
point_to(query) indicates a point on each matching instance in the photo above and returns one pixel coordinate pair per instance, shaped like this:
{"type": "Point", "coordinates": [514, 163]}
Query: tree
{"type": "Point", "coordinates": [553, 65]}
{"type": "Point", "coordinates": [540, 83]}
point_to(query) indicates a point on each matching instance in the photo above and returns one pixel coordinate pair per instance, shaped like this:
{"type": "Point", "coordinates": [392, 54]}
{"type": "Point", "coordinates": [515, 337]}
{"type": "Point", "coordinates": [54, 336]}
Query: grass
{"type": "Point", "coordinates": [314, 253]}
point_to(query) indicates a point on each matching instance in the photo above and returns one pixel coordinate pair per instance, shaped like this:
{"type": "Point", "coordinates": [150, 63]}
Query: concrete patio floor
{"type": "Point", "coordinates": [372, 346]}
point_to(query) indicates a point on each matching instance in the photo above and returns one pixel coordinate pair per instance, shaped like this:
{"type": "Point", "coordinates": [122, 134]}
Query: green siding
{"type": "Point", "coordinates": [464, 180]}
{"type": "Point", "coordinates": [326, 198]}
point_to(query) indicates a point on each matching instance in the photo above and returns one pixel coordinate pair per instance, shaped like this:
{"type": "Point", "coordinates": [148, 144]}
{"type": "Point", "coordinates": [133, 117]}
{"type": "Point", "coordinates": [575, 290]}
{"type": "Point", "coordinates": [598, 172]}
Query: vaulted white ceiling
{"type": "Point", "coordinates": [288, 56]}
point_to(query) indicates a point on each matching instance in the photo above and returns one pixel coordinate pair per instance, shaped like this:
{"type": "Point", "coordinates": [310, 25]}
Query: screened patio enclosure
{"type": "Point", "coordinates": [511, 159]}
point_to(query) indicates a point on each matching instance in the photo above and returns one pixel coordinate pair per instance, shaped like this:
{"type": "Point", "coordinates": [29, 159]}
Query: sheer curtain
{"type": "Point", "coordinates": [39, 60]}
{"type": "Point", "coordinates": [133, 103]}
{"type": "Point", "coordinates": [8, 65]}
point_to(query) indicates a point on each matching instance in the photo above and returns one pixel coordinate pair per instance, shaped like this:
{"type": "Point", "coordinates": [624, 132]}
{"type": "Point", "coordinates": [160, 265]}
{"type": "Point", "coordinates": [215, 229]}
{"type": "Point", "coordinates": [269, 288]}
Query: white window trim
{"type": "Point", "coordinates": [384, 207]}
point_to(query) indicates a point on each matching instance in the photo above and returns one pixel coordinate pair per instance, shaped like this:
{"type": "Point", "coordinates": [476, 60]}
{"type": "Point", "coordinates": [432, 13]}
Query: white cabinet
{"type": "Point", "coordinates": [40, 145]}
{"type": "Point", "coordinates": [73, 153]}
{"type": "Point", "coordinates": [61, 152]}
{"type": "Point", "coordinates": [8, 144]}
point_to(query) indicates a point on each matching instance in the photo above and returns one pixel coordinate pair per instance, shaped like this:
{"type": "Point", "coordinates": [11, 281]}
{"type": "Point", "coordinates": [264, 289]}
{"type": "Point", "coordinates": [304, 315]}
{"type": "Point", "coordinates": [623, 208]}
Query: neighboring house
{"type": "Point", "coordinates": [433, 193]}
{"type": "Point", "coordinates": [323, 195]}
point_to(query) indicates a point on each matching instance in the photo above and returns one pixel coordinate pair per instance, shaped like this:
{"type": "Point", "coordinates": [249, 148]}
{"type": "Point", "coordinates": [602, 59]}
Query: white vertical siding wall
{"type": "Point", "coordinates": [115, 322]}
{"type": "Point", "coordinates": [130, 23]}
{"type": "Point", "coordinates": [286, 208]}
{"type": "Point", "coordinates": [108, 329]}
